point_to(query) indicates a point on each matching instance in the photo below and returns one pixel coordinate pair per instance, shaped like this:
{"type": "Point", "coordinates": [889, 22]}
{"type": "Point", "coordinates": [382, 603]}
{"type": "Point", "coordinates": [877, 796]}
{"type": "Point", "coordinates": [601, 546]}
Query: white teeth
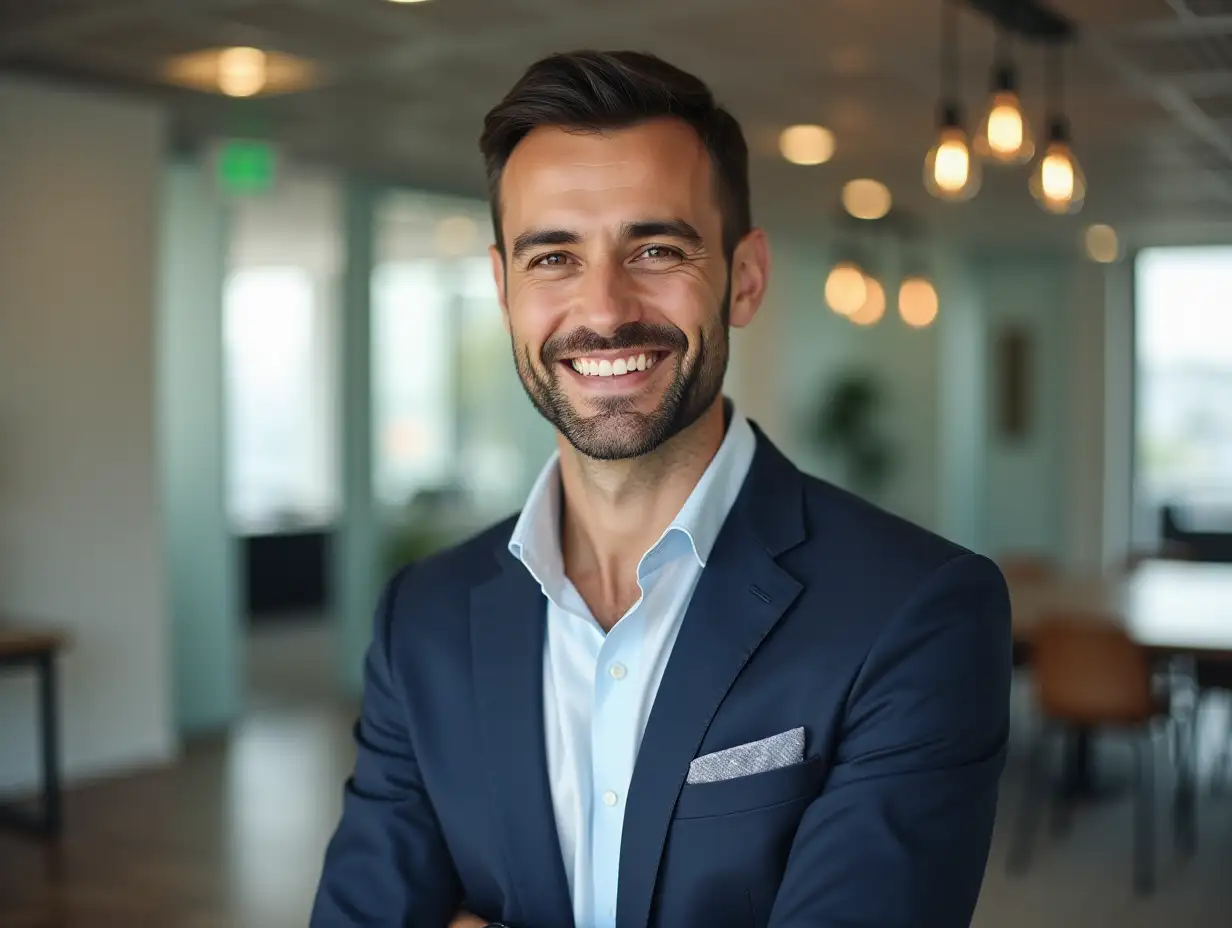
{"type": "Point", "coordinates": [604, 368]}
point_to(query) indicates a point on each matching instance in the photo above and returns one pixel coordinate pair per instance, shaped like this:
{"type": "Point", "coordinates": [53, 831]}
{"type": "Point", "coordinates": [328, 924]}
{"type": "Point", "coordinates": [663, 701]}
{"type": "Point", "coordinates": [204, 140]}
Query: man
{"type": "Point", "coordinates": [689, 686]}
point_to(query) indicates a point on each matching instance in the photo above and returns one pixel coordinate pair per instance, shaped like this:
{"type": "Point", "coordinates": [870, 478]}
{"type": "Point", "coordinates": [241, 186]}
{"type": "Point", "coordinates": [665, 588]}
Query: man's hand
{"type": "Point", "coordinates": [467, 920]}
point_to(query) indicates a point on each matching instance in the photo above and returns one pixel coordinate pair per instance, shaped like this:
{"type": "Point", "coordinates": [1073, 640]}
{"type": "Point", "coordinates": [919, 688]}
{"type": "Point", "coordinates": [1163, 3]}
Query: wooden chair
{"type": "Point", "coordinates": [1089, 673]}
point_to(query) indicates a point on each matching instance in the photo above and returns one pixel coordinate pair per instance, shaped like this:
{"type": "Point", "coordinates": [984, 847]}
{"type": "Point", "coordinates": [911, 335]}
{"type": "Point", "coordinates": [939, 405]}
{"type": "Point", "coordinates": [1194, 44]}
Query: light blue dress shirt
{"type": "Point", "coordinates": [599, 688]}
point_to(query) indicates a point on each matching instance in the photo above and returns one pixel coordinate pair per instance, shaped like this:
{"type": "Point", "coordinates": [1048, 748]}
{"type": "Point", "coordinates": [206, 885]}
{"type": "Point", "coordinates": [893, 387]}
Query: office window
{"type": "Point", "coordinates": [1184, 381]}
{"type": "Point", "coordinates": [414, 370]}
{"type": "Point", "coordinates": [277, 446]}
{"type": "Point", "coordinates": [452, 422]}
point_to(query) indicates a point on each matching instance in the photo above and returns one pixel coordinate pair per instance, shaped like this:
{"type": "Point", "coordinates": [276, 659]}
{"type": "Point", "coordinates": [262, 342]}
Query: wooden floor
{"type": "Point", "coordinates": [231, 837]}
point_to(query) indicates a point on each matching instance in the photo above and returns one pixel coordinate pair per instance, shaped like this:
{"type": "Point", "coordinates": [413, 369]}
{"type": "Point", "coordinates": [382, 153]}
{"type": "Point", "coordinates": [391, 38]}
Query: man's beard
{"type": "Point", "coordinates": [617, 430]}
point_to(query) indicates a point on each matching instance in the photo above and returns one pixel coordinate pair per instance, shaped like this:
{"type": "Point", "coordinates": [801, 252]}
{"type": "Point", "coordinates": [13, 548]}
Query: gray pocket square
{"type": "Point", "coordinates": [746, 759]}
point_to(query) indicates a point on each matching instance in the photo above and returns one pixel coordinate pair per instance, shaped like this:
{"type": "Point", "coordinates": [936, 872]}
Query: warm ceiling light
{"type": "Point", "coordinates": [241, 71]}
{"type": "Point", "coordinates": [408, 1]}
{"type": "Point", "coordinates": [1102, 244]}
{"type": "Point", "coordinates": [865, 198]}
{"type": "Point", "coordinates": [807, 144]}
{"type": "Point", "coordinates": [917, 301]}
{"type": "Point", "coordinates": [950, 173]}
{"type": "Point", "coordinates": [846, 288]}
{"type": "Point", "coordinates": [1004, 135]}
{"type": "Point", "coordinates": [874, 304]}
{"type": "Point", "coordinates": [1057, 183]}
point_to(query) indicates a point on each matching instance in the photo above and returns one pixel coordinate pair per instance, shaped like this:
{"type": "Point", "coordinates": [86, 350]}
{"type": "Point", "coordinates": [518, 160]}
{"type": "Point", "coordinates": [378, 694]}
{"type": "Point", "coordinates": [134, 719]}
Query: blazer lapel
{"type": "Point", "coordinates": [508, 620]}
{"type": "Point", "coordinates": [740, 597]}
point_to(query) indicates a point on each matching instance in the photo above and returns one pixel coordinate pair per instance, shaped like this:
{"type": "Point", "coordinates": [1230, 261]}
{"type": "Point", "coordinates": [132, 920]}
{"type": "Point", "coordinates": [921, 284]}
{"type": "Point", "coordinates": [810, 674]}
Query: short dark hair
{"type": "Point", "coordinates": [593, 91]}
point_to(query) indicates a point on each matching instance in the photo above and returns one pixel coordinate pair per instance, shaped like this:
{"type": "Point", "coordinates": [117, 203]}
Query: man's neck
{"type": "Point", "coordinates": [613, 511]}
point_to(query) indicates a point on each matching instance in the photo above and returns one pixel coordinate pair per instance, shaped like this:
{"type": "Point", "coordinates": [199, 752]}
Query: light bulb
{"type": "Point", "coordinates": [846, 288]}
{"type": "Point", "coordinates": [865, 198]}
{"type": "Point", "coordinates": [1057, 183]}
{"type": "Point", "coordinates": [873, 308]}
{"type": "Point", "coordinates": [950, 172]}
{"type": "Point", "coordinates": [807, 144]}
{"type": "Point", "coordinates": [1102, 244]}
{"type": "Point", "coordinates": [1004, 135]}
{"type": "Point", "coordinates": [1005, 129]}
{"type": "Point", "coordinates": [953, 165]}
{"type": "Point", "coordinates": [917, 301]}
{"type": "Point", "coordinates": [241, 71]}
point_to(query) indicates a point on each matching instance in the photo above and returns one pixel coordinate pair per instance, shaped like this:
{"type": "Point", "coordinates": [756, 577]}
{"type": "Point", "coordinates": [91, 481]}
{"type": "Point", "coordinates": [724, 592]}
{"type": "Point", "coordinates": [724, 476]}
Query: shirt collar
{"type": "Point", "coordinates": [536, 536]}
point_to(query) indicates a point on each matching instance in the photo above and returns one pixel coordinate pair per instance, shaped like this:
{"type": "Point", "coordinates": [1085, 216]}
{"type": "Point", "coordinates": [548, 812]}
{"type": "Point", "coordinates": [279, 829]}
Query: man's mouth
{"type": "Point", "coordinates": [616, 365]}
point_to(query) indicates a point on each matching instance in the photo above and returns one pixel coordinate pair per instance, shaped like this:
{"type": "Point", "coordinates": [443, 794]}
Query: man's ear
{"type": "Point", "coordinates": [750, 275]}
{"type": "Point", "coordinates": [498, 275]}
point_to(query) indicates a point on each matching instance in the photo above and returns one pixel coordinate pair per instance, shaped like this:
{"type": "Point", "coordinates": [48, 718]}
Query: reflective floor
{"type": "Point", "coordinates": [232, 837]}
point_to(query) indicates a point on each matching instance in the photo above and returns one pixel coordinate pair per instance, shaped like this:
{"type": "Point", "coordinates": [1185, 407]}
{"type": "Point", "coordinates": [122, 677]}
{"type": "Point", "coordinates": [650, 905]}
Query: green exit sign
{"type": "Point", "coordinates": [246, 166]}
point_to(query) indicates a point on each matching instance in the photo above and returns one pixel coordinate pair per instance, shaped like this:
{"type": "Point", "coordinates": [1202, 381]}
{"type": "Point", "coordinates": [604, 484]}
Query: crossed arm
{"type": "Point", "coordinates": [898, 837]}
{"type": "Point", "coordinates": [901, 832]}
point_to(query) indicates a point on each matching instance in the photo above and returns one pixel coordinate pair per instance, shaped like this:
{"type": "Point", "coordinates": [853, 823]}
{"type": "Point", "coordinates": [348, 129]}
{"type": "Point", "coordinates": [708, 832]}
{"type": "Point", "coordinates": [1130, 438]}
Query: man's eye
{"type": "Point", "coordinates": [659, 253]}
{"type": "Point", "coordinates": [556, 259]}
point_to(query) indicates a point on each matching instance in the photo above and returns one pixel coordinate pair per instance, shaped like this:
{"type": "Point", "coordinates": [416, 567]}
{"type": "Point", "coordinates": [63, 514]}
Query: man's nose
{"type": "Point", "coordinates": [606, 299]}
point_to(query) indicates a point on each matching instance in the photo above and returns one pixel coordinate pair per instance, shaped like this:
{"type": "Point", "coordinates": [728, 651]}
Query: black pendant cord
{"type": "Point", "coordinates": [1055, 85]}
{"type": "Point", "coordinates": [1000, 48]}
{"type": "Point", "coordinates": [949, 52]}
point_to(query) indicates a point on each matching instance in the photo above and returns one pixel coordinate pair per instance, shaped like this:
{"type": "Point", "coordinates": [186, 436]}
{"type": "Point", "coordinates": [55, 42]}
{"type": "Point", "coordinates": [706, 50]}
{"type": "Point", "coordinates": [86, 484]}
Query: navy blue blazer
{"type": "Point", "coordinates": [889, 645]}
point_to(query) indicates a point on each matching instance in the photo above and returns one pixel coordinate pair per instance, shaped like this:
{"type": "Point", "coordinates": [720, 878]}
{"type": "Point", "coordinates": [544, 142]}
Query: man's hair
{"type": "Point", "coordinates": [594, 91]}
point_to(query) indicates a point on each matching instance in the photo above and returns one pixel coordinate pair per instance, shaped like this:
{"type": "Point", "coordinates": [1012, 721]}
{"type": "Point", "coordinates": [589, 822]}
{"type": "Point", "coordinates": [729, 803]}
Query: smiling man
{"type": "Point", "coordinates": [688, 686]}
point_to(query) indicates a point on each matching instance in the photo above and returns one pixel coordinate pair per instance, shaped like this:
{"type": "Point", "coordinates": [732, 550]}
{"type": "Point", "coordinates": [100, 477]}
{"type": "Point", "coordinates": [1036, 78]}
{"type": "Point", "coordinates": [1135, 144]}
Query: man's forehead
{"type": "Point", "coordinates": [661, 162]}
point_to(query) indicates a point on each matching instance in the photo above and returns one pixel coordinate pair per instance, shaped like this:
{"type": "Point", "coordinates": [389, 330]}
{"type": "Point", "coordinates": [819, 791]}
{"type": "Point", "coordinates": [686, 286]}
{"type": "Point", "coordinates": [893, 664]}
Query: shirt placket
{"type": "Point", "coordinates": [618, 676]}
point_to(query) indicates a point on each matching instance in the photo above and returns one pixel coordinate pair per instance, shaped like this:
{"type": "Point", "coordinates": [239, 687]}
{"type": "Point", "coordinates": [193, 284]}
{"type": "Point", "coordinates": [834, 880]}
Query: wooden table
{"type": "Point", "coordinates": [35, 646]}
{"type": "Point", "coordinates": [1171, 608]}
{"type": "Point", "coordinates": [1174, 609]}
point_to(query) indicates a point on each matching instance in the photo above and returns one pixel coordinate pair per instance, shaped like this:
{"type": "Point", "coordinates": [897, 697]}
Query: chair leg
{"type": "Point", "coordinates": [1222, 768]}
{"type": "Point", "coordinates": [1185, 805]}
{"type": "Point", "coordinates": [1033, 795]}
{"type": "Point", "coordinates": [1144, 815]}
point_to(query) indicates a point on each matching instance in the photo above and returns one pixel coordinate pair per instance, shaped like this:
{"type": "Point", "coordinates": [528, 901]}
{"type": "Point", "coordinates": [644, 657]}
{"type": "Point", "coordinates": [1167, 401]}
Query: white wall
{"type": "Point", "coordinates": [786, 360]}
{"type": "Point", "coordinates": [1024, 476]}
{"type": "Point", "coordinates": [81, 543]}
{"type": "Point", "coordinates": [1057, 491]}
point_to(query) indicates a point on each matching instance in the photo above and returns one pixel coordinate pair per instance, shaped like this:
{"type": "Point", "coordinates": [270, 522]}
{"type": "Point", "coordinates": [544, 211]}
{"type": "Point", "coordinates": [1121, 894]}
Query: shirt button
{"type": "Point", "coordinates": [609, 798]}
{"type": "Point", "coordinates": [618, 671]}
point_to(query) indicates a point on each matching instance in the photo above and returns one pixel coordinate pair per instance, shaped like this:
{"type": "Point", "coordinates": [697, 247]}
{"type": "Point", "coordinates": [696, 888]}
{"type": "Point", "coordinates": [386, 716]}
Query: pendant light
{"type": "Point", "coordinates": [950, 171]}
{"type": "Point", "coordinates": [1058, 182]}
{"type": "Point", "coordinates": [1003, 135]}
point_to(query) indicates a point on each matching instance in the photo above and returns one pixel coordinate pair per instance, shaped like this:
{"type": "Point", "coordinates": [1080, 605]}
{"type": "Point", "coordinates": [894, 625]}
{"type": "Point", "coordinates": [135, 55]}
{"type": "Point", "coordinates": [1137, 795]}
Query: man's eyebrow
{"type": "Point", "coordinates": [663, 228]}
{"type": "Point", "coordinates": [536, 238]}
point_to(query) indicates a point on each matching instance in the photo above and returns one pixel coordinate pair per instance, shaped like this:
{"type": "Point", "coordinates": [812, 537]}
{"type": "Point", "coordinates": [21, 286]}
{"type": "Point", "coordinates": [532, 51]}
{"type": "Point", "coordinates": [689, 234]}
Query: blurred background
{"type": "Point", "coordinates": [251, 361]}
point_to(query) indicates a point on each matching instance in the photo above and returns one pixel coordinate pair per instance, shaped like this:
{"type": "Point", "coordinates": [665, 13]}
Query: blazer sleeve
{"type": "Point", "coordinates": [900, 834]}
{"type": "Point", "coordinates": [387, 862]}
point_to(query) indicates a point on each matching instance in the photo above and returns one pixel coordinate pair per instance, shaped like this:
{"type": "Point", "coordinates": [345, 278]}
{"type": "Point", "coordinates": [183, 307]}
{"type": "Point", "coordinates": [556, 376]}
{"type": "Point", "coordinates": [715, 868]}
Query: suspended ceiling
{"type": "Point", "coordinates": [402, 89]}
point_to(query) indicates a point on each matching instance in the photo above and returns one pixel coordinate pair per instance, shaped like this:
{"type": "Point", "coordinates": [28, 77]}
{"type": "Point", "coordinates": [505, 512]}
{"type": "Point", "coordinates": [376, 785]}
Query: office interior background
{"type": "Point", "coordinates": [251, 360]}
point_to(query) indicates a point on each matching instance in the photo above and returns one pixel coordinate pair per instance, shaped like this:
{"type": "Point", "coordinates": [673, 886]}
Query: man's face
{"type": "Point", "coordinates": [614, 285]}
